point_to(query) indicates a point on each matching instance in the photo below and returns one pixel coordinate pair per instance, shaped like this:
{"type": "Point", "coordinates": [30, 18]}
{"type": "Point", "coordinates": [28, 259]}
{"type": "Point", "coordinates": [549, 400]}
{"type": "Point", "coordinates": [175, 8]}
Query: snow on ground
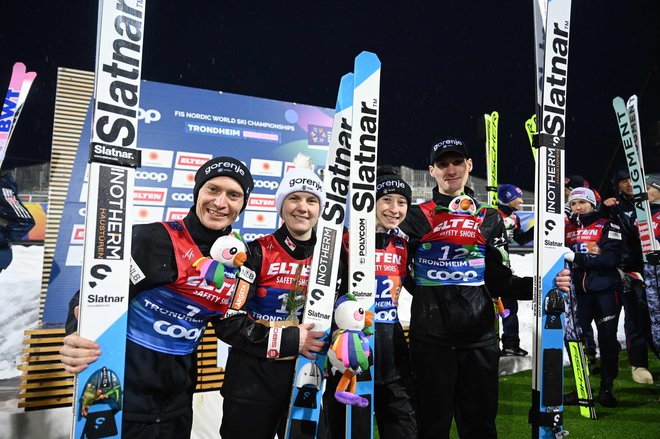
{"type": "Point", "coordinates": [20, 285]}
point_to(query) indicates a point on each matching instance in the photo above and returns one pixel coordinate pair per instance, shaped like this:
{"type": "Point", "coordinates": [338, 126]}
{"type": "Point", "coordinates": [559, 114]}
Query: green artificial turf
{"type": "Point", "coordinates": [637, 415]}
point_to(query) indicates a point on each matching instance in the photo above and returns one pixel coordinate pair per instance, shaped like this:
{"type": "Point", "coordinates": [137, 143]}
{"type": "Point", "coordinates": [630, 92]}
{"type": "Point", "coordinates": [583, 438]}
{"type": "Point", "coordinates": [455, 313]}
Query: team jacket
{"type": "Point", "coordinates": [624, 215]}
{"type": "Point", "coordinates": [392, 357]}
{"type": "Point", "coordinates": [655, 218]}
{"type": "Point", "coordinates": [512, 226]}
{"type": "Point", "coordinates": [256, 372]}
{"type": "Point", "coordinates": [172, 318]}
{"type": "Point", "coordinates": [598, 246]}
{"type": "Point", "coordinates": [457, 262]}
{"type": "Point", "coordinates": [158, 385]}
{"type": "Point", "coordinates": [18, 219]}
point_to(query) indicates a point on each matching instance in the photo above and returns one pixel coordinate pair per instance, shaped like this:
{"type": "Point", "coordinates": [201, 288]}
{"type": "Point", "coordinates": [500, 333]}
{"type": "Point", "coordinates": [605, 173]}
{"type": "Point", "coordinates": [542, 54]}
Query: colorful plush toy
{"type": "Point", "coordinates": [349, 352]}
{"type": "Point", "coordinates": [463, 204]}
{"type": "Point", "coordinates": [227, 254]}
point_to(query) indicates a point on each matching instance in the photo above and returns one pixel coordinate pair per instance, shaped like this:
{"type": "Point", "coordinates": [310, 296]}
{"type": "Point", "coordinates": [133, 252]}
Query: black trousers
{"type": "Point", "coordinates": [177, 428]}
{"type": "Point", "coordinates": [395, 412]}
{"type": "Point", "coordinates": [460, 384]}
{"type": "Point", "coordinates": [637, 324]}
{"type": "Point", "coordinates": [602, 308]}
{"type": "Point", "coordinates": [510, 325]}
{"type": "Point", "coordinates": [249, 421]}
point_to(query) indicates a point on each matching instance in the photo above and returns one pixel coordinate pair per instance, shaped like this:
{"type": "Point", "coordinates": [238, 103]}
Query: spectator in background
{"type": "Point", "coordinates": [597, 243]}
{"type": "Point", "coordinates": [651, 269]}
{"type": "Point", "coordinates": [621, 209]}
{"type": "Point", "coordinates": [510, 201]}
{"type": "Point", "coordinates": [571, 182]}
{"type": "Point", "coordinates": [15, 220]}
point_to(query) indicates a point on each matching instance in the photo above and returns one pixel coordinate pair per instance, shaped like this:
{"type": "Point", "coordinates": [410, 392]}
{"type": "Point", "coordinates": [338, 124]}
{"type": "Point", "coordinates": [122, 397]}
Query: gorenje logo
{"type": "Point", "coordinates": [273, 185]}
{"type": "Point", "coordinates": [302, 181]}
{"type": "Point", "coordinates": [225, 166]}
{"type": "Point", "coordinates": [155, 176]}
{"type": "Point", "coordinates": [148, 115]}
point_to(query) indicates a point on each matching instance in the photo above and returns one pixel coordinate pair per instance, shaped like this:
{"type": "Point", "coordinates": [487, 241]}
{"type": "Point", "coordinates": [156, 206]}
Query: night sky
{"type": "Point", "coordinates": [443, 66]}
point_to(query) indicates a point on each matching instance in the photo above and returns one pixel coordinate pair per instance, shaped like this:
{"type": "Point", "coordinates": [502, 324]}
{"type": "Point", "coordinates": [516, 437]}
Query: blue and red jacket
{"type": "Point", "coordinates": [598, 247]}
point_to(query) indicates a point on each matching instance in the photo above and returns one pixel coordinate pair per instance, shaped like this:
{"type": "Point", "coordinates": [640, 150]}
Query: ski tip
{"type": "Point", "coordinates": [366, 64]}
{"type": "Point", "coordinates": [618, 100]}
{"type": "Point", "coordinates": [19, 66]}
{"type": "Point", "coordinates": [345, 95]}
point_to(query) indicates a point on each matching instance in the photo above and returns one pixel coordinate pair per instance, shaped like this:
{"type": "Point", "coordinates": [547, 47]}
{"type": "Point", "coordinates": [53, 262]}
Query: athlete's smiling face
{"type": "Point", "coordinates": [219, 202]}
{"type": "Point", "coordinates": [451, 172]}
{"type": "Point", "coordinates": [391, 210]}
{"type": "Point", "coordinates": [300, 212]}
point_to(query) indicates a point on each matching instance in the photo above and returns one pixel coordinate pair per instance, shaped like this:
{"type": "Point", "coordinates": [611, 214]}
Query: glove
{"type": "Point", "coordinates": [653, 258]}
{"type": "Point", "coordinates": [569, 255]}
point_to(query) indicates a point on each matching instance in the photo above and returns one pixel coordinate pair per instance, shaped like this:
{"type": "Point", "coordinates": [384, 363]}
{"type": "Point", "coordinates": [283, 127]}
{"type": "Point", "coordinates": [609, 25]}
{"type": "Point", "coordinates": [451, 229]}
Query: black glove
{"type": "Point", "coordinates": [653, 258]}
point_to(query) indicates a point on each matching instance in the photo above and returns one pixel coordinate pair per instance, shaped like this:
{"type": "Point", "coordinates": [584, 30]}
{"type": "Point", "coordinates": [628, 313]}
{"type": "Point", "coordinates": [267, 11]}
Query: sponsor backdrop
{"type": "Point", "coordinates": [180, 128]}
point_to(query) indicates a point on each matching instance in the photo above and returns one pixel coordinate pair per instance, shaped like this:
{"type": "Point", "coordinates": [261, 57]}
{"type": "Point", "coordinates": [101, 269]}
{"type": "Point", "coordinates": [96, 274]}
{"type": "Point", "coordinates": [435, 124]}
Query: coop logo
{"type": "Point", "coordinates": [266, 184]}
{"type": "Point", "coordinates": [176, 331]}
{"type": "Point", "coordinates": [153, 176]}
{"type": "Point", "coordinates": [150, 196]}
{"type": "Point", "coordinates": [148, 116]}
{"type": "Point", "coordinates": [261, 202]}
{"type": "Point", "coordinates": [191, 160]}
{"type": "Point", "coordinates": [180, 196]}
{"type": "Point", "coordinates": [174, 214]}
{"type": "Point", "coordinates": [267, 168]}
{"type": "Point", "coordinates": [252, 236]}
{"type": "Point", "coordinates": [448, 275]}
{"type": "Point", "coordinates": [156, 158]}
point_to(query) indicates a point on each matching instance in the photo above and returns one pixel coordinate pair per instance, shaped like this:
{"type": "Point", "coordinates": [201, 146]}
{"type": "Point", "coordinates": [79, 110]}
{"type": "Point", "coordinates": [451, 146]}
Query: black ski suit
{"type": "Point", "coordinates": [158, 386]}
{"type": "Point", "coordinates": [454, 349]}
{"type": "Point", "coordinates": [598, 247]}
{"type": "Point", "coordinates": [257, 387]}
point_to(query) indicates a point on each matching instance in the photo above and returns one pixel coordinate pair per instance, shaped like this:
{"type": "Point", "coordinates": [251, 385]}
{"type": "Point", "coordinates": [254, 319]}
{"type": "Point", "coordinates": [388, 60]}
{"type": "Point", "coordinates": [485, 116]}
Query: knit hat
{"type": "Point", "coordinates": [300, 179]}
{"type": "Point", "coordinates": [225, 167]}
{"type": "Point", "coordinates": [619, 175]}
{"type": "Point", "coordinates": [508, 192]}
{"type": "Point", "coordinates": [574, 181]}
{"type": "Point", "coordinates": [653, 180]}
{"type": "Point", "coordinates": [582, 193]}
{"type": "Point", "coordinates": [389, 182]}
{"type": "Point", "coordinates": [448, 145]}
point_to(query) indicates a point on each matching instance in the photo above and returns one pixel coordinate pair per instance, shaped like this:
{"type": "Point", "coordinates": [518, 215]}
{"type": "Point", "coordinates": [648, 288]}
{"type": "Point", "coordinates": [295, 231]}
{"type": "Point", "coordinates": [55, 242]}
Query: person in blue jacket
{"type": "Point", "coordinates": [598, 246]}
{"type": "Point", "coordinates": [15, 220]}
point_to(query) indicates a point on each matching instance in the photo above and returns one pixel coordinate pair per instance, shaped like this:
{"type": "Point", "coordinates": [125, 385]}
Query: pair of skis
{"type": "Point", "coordinates": [572, 333]}
{"type": "Point", "coordinates": [19, 87]}
{"type": "Point", "coordinates": [552, 28]}
{"type": "Point", "coordinates": [349, 176]}
{"type": "Point", "coordinates": [627, 118]}
{"type": "Point", "coordinates": [98, 390]}
{"type": "Point", "coordinates": [491, 121]}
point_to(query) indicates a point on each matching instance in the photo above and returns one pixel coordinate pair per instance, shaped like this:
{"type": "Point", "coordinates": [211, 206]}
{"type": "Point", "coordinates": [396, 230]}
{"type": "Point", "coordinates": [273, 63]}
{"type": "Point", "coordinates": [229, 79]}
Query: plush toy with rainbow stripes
{"type": "Point", "coordinates": [349, 352]}
{"type": "Point", "coordinates": [227, 254]}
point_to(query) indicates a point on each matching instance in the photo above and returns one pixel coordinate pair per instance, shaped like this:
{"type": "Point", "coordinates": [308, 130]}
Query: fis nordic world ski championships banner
{"type": "Point", "coordinates": [180, 128]}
